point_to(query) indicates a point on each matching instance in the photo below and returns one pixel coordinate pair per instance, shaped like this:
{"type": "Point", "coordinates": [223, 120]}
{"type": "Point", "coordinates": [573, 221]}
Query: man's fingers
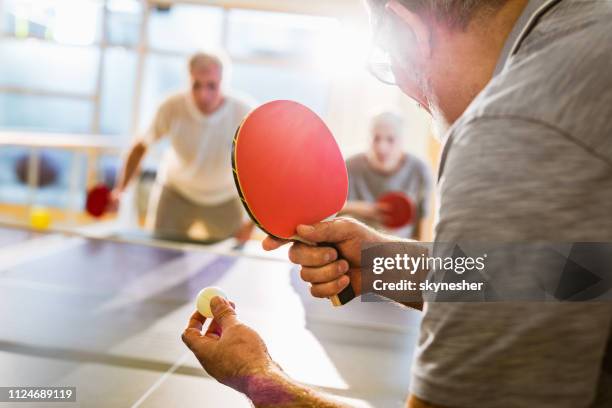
{"type": "Point", "coordinates": [325, 273]}
{"type": "Point", "coordinates": [327, 289]}
{"type": "Point", "coordinates": [308, 255]}
{"type": "Point", "coordinates": [271, 243]}
{"type": "Point", "coordinates": [191, 336]}
{"type": "Point", "coordinates": [214, 330]}
{"type": "Point", "coordinates": [336, 230]}
{"type": "Point", "coordinates": [223, 312]}
{"type": "Point", "coordinates": [196, 321]}
{"type": "Point", "coordinates": [193, 332]}
{"type": "Point", "coordinates": [383, 207]}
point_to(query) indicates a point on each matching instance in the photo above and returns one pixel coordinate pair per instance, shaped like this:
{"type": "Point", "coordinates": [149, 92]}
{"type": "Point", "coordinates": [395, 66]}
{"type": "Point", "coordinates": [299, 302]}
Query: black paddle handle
{"type": "Point", "coordinates": [343, 297]}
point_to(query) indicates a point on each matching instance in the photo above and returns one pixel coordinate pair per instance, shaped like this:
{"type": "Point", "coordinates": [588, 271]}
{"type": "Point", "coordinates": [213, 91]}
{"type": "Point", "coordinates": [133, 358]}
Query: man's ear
{"type": "Point", "coordinates": [416, 23]}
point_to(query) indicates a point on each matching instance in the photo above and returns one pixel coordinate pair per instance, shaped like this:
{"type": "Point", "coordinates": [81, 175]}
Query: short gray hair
{"type": "Point", "coordinates": [203, 60]}
{"type": "Point", "coordinates": [388, 118]}
{"type": "Point", "coordinates": [456, 13]}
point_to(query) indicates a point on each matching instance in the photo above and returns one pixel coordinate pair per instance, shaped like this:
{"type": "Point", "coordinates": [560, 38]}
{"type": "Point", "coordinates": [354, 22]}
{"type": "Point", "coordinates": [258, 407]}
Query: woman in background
{"type": "Point", "coordinates": [386, 167]}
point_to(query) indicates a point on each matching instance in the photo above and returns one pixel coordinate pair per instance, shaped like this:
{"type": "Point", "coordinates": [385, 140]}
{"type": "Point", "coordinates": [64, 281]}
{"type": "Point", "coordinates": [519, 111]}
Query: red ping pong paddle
{"type": "Point", "coordinates": [288, 171]}
{"type": "Point", "coordinates": [98, 199]}
{"type": "Point", "coordinates": [401, 209]}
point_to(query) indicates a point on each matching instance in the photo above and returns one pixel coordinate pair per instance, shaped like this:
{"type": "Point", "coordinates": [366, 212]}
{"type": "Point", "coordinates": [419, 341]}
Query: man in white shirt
{"type": "Point", "coordinates": [194, 195]}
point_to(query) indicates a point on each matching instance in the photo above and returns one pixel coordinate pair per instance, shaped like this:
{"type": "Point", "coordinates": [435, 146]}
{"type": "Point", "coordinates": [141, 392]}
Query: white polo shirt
{"type": "Point", "coordinates": [198, 163]}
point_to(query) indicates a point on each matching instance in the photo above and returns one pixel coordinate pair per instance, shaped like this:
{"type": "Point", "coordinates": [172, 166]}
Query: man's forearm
{"type": "Point", "coordinates": [132, 163]}
{"type": "Point", "coordinates": [276, 390]}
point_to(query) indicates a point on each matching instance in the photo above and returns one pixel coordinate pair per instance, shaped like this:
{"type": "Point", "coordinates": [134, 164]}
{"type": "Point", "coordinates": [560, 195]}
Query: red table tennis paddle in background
{"type": "Point", "coordinates": [288, 171]}
{"type": "Point", "coordinates": [98, 199]}
{"type": "Point", "coordinates": [400, 209]}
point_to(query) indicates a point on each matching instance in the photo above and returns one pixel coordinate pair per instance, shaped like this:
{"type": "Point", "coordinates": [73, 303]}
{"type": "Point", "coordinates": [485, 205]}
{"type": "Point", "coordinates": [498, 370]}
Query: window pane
{"type": "Point", "coordinates": [107, 168]}
{"type": "Point", "coordinates": [46, 66]}
{"type": "Point", "coordinates": [163, 75]}
{"type": "Point", "coordinates": [185, 28]}
{"type": "Point", "coordinates": [266, 34]}
{"type": "Point", "coordinates": [54, 177]}
{"type": "Point", "coordinates": [64, 21]}
{"type": "Point", "coordinates": [8, 174]}
{"type": "Point", "coordinates": [124, 22]}
{"type": "Point", "coordinates": [12, 187]}
{"type": "Point", "coordinates": [267, 83]}
{"type": "Point", "coordinates": [117, 93]}
{"type": "Point", "coordinates": [45, 113]}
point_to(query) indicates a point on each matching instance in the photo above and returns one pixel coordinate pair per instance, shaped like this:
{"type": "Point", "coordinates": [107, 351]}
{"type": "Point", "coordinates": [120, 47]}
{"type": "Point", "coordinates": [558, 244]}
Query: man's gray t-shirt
{"type": "Point", "coordinates": [413, 178]}
{"type": "Point", "coordinates": [530, 160]}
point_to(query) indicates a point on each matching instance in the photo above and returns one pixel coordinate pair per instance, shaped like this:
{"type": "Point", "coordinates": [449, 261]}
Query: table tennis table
{"type": "Point", "coordinates": [105, 316]}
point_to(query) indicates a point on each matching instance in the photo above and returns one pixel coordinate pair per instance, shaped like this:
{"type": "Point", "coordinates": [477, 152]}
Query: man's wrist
{"type": "Point", "coordinates": [267, 388]}
{"type": "Point", "coordinates": [274, 389]}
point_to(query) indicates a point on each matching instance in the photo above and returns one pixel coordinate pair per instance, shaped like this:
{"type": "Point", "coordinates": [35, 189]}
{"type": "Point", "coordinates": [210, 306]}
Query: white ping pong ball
{"type": "Point", "coordinates": [204, 298]}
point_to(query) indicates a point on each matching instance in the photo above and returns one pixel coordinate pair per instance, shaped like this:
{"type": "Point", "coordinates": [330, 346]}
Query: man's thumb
{"type": "Point", "coordinates": [223, 312]}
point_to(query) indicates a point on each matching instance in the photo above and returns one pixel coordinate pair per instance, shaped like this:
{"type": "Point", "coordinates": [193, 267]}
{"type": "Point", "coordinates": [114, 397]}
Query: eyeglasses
{"type": "Point", "coordinates": [379, 61]}
{"type": "Point", "coordinates": [379, 65]}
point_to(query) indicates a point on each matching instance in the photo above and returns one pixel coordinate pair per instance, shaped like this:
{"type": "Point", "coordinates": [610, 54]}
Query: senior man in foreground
{"type": "Point", "coordinates": [526, 86]}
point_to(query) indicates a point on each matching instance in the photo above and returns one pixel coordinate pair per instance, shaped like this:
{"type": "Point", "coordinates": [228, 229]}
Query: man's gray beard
{"type": "Point", "coordinates": [440, 125]}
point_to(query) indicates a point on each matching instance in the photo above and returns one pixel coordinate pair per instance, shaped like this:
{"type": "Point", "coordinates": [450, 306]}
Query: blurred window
{"type": "Point", "coordinates": [76, 22]}
{"type": "Point", "coordinates": [184, 28]}
{"type": "Point", "coordinates": [163, 75]}
{"type": "Point", "coordinates": [124, 21]}
{"type": "Point", "coordinates": [48, 66]}
{"type": "Point", "coordinates": [261, 34]}
{"type": "Point", "coordinates": [74, 66]}
{"type": "Point", "coordinates": [45, 113]}
{"type": "Point", "coordinates": [119, 77]}
{"type": "Point", "coordinates": [267, 83]}
{"type": "Point", "coordinates": [54, 181]}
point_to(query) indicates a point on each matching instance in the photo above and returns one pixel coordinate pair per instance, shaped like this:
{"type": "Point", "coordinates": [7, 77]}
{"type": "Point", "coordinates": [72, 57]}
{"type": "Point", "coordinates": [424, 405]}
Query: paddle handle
{"type": "Point", "coordinates": [343, 297]}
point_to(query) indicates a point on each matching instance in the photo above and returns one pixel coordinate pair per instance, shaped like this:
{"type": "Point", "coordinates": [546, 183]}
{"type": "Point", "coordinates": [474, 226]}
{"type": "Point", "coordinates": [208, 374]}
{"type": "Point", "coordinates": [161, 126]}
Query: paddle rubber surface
{"type": "Point", "coordinates": [401, 209]}
{"type": "Point", "coordinates": [97, 200]}
{"type": "Point", "coordinates": [288, 168]}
